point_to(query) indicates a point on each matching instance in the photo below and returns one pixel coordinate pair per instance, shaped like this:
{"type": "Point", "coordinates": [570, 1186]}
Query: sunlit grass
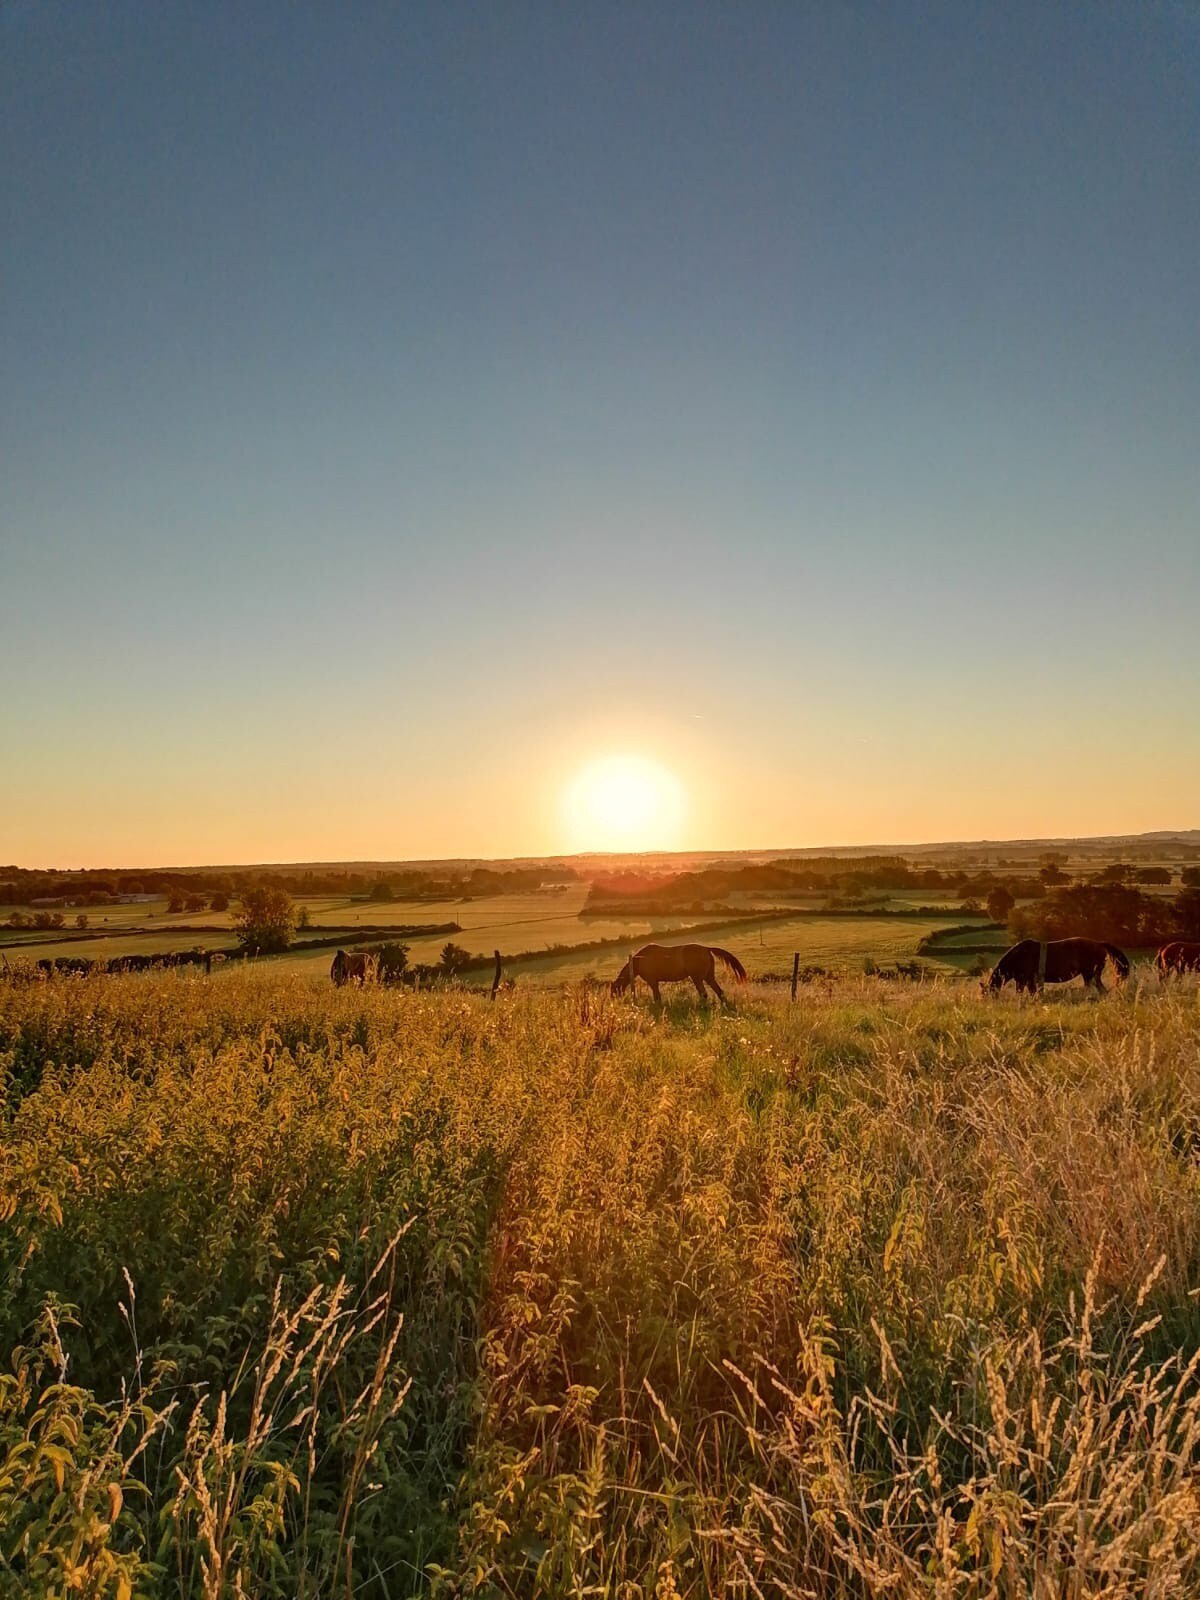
{"type": "Point", "coordinates": [890, 1291]}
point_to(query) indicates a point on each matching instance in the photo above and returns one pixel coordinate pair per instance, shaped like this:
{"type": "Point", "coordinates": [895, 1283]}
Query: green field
{"type": "Point", "coordinates": [513, 924]}
{"type": "Point", "coordinates": [888, 1292]}
{"type": "Point", "coordinates": [840, 944]}
{"type": "Point", "coordinates": [119, 944]}
{"type": "Point", "coordinates": [510, 922]}
{"type": "Point", "coordinates": [539, 932]}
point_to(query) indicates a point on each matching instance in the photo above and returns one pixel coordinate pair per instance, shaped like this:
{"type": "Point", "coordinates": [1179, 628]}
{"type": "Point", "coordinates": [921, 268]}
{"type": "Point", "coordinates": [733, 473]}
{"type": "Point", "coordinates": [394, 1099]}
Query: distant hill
{"type": "Point", "coordinates": [1131, 845]}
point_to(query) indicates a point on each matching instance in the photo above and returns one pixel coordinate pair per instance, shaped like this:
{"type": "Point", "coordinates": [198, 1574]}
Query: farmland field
{"type": "Point", "coordinates": [512, 923]}
{"type": "Point", "coordinates": [118, 944]}
{"type": "Point", "coordinates": [840, 944]}
{"type": "Point", "coordinates": [890, 1291]}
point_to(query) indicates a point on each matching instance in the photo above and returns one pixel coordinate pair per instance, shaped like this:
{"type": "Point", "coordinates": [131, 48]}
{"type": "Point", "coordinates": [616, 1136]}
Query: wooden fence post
{"type": "Point", "coordinates": [795, 972]}
{"type": "Point", "coordinates": [496, 979]}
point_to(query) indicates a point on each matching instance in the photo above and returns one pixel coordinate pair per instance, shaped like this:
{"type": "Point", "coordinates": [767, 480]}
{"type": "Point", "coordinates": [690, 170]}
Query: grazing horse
{"type": "Point", "coordinates": [1029, 964]}
{"type": "Point", "coordinates": [1179, 957]}
{"type": "Point", "coordinates": [354, 966]}
{"type": "Point", "coordinates": [663, 963]}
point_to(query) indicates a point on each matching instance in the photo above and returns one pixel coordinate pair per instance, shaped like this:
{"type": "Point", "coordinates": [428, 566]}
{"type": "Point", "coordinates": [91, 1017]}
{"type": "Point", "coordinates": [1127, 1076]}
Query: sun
{"type": "Point", "coordinates": [625, 802]}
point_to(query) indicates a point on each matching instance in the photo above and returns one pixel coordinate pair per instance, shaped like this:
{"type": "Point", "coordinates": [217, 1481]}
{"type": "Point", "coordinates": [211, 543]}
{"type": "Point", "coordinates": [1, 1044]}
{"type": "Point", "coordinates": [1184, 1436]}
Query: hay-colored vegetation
{"type": "Point", "coordinates": [315, 1292]}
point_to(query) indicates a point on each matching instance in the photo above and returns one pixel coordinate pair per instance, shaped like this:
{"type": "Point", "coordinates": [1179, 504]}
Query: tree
{"type": "Point", "coordinates": [1190, 877]}
{"type": "Point", "coordinates": [81, 920]}
{"type": "Point", "coordinates": [175, 901]}
{"type": "Point", "coordinates": [381, 892]}
{"type": "Point", "coordinates": [1114, 912]}
{"type": "Point", "coordinates": [1152, 875]}
{"type": "Point", "coordinates": [1115, 872]}
{"type": "Point", "coordinates": [303, 918]}
{"type": "Point", "coordinates": [264, 921]}
{"type": "Point", "coordinates": [453, 958]}
{"type": "Point", "coordinates": [1052, 875]}
{"type": "Point", "coordinates": [1187, 912]}
{"type": "Point", "coordinates": [219, 902]}
{"type": "Point", "coordinates": [1000, 903]}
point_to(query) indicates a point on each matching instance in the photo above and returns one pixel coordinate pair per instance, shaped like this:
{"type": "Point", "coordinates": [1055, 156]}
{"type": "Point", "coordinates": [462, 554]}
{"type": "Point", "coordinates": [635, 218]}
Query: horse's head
{"type": "Point", "coordinates": [990, 982]}
{"type": "Point", "coordinates": [621, 982]}
{"type": "Point", "coordinates": [338, 970]}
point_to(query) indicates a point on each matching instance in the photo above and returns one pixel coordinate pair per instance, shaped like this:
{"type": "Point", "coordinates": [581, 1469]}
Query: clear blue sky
{"type": "Point", "coordinates": [403, 405]}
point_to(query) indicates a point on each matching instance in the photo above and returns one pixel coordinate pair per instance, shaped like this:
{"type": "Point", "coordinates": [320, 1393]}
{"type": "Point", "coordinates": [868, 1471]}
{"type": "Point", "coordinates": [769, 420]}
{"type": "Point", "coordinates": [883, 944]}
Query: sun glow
{"type": "Point", "coordinates": [625, 803]}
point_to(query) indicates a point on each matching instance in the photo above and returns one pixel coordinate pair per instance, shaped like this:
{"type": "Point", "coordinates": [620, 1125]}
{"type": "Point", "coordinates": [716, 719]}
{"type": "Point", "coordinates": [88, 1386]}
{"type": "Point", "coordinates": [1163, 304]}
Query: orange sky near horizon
{"type": "Point", "coordinates": [726, 788]}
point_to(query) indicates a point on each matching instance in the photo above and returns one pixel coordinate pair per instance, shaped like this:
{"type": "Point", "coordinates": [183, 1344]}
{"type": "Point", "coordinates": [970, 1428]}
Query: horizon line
{"type": "Point", "coordinates": [1163, 834]}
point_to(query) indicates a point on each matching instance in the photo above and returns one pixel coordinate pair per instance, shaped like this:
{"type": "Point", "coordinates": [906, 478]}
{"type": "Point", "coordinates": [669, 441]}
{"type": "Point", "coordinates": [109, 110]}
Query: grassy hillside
{"type": "Point", "coordinates": [892, 1291]}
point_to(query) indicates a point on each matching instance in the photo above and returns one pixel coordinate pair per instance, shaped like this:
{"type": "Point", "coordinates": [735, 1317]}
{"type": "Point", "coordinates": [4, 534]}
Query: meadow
{"type": "Point", "coordinates": [515, 924]}
{"type": "Point", "coordinates": [890, 1291]}
{"type": "Point", "coordinates": [515, 921]}
{"type": "Point", "coordinates": [838, 944]}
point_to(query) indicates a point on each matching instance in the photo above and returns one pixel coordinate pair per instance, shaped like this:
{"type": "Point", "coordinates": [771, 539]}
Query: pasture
{"type": "Point", "coordinates": [105, 946]}
{"type": "Point", "coordinates": [839, 944]}
{"type": "Point", "coordinates": [547, 927]}
{"type": "Point", "coordinates": [892, 1291]}
{"type": "Point", "coordinates": [511, 922]}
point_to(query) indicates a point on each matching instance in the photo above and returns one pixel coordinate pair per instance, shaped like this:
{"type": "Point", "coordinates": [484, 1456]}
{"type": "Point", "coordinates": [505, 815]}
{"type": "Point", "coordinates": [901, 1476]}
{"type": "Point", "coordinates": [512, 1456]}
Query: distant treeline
{"type": "Point", "coordinates": [1116, 913]}
{"type": "Point", "coordinates": [19, 886]}
{"type": "Point", "coordinates": [836, 876]}
{"type": "Point", "coordinates": [828, 875]}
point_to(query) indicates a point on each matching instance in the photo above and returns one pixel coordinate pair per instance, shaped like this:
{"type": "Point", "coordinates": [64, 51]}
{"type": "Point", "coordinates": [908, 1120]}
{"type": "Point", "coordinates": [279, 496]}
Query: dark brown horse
{"type": "Point", "coordinates": [354, 966]}
{"type": "Point", "coordinates": [673, 963]}
{"type": "Point", "coordinates": [1029, 964]}
{"type": "Point", "coordinates": [1178, 957]}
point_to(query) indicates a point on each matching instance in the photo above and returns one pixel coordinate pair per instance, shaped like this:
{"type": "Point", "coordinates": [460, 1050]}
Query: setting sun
{"type": "Point", "coordinates": [625, 802]}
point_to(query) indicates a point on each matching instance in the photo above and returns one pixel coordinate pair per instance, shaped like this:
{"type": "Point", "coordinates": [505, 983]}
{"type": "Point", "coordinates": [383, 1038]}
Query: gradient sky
{"type": "Point", "coordinates": [403, 405]}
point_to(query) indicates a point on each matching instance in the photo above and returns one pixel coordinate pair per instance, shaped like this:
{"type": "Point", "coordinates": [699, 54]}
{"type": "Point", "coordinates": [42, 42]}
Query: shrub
{"type": "Point", "coordinates": [264, 921]}
{"type": "Point", "coordinates": [453, 958]}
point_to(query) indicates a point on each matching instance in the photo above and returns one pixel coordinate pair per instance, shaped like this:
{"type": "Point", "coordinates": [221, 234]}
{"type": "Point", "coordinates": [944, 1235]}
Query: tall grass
{"type": "Point", "coordinates": [889, 1292]}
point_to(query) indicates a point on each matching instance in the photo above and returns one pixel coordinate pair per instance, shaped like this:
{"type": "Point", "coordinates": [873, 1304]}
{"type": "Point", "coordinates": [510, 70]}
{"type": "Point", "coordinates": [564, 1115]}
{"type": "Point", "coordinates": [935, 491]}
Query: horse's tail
{"type": "Point", "coordinates": [1119, 960]}
{"type": "Point", "coordinates": [730, 960]}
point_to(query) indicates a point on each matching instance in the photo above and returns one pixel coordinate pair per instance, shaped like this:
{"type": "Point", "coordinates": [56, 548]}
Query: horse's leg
{"type": "Point", "coordinates": [717, 990]}
{"type": "Point", "coordinates": [700, 989]}
{"type": "Point", "coordinates": [653, 982]}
